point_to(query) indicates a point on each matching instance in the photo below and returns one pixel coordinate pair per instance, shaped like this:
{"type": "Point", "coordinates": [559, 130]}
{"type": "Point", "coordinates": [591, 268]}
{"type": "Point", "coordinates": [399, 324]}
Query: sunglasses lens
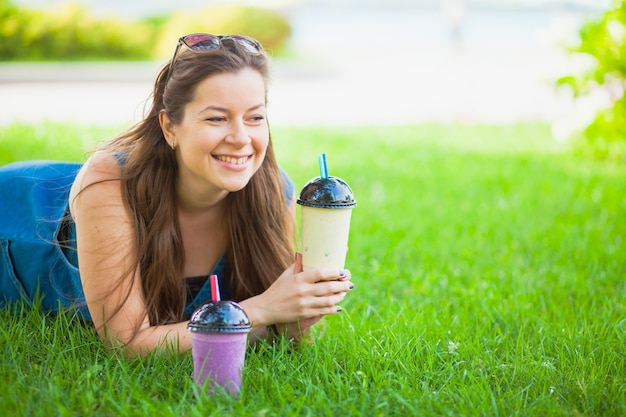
{"type": "Point", "coordinates": [202, 42]}
{"type": "Point", "coordinates": [250, 44]}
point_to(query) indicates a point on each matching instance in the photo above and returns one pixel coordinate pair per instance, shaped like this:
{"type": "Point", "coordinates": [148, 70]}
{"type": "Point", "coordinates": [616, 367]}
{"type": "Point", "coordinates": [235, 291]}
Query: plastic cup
{"type": "Point", "coordinates": [327, 205]}
{"type": "Point", "coordinates": [219, 337]}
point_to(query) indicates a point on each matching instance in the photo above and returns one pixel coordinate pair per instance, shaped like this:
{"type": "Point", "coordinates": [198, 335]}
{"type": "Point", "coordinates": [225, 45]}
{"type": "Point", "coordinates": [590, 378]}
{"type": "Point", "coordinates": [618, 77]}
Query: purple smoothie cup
{"type": "Point", "coordinates": [219, 337]}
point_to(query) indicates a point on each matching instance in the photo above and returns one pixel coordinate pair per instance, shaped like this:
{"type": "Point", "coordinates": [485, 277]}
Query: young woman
{"type": "Point", "coordinates": [192, 190]}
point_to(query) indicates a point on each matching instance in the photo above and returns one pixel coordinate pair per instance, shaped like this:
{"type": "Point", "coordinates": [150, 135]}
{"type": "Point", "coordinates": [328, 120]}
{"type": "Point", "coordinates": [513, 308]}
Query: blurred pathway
{"type": "Point", "coordinates": [442, 87]}
{"type": "Point", "coordinates": [360, 67]}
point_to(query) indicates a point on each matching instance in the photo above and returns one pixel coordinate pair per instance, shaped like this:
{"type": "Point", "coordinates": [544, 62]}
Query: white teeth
{"type": "Point", "coordinates": [231, 160]}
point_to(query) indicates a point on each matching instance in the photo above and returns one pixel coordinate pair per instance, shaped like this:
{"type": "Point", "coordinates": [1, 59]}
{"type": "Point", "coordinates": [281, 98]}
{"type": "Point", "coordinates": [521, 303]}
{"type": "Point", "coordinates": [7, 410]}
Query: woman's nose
{"type": "Point", "coordinates": [238, 134]}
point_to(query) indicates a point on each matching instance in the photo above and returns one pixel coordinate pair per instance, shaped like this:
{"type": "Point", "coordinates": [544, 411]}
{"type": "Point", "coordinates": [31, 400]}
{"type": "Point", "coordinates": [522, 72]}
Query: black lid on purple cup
{"type": "Point", "coordinates": [331, 192]}
{"type": "Point", "coordinates": [219, 317]}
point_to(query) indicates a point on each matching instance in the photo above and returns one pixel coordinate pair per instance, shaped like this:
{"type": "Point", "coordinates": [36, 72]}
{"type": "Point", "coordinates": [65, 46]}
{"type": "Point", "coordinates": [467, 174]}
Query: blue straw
{"type": "Point", "coordinates": [321, 159]}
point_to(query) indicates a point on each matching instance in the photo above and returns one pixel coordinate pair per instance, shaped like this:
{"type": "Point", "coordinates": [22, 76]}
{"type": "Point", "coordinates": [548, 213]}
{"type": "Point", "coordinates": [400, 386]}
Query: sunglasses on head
{"type": "Point", "coordinates": [207, 42]}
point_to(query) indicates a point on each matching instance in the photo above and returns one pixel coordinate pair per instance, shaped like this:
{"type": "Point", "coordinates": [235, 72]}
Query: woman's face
{"type": "Point", "coordinates": [222, 139]}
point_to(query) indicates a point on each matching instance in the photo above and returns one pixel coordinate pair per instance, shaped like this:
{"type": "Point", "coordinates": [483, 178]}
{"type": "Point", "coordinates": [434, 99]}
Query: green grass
{"type": "Point", "coordinates": [489, 266]}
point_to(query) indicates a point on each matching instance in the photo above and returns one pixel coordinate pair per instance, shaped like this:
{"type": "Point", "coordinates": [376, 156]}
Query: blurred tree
{"type": "Point", "coordinates": [69, 32]}
{"type": "Point", "coordinates": [265, 25]}
{"type": "Point", "coordinates": [11, 26]}
{"type": "Point", "coordinates": [604, 39]}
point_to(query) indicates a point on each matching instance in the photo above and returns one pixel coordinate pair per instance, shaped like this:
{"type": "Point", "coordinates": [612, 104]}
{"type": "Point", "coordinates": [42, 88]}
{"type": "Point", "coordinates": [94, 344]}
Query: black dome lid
{"type": "Point", "coordinates": [330, 192]}
{"type": "Point", "coordinates": [220, 317]}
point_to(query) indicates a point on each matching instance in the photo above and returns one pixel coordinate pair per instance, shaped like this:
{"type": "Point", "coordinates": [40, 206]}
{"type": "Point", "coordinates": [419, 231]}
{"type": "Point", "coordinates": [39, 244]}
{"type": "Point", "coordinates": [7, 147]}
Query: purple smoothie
{"type": "Point", "coordinates": [219, 337]}
{"type": "Point", "coordinates": [220, 358]}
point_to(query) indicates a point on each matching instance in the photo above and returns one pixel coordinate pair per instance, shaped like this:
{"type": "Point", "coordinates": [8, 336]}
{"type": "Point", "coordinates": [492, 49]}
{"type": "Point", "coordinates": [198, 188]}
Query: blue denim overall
{"type": "Point", "coordinates": [33, 204]}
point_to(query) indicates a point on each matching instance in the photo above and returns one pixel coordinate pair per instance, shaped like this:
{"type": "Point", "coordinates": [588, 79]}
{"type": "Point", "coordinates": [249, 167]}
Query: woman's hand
{"type": "Point", "coordinates": [296, 330]}
{"type": "Point", "coordinates": [298, 299]}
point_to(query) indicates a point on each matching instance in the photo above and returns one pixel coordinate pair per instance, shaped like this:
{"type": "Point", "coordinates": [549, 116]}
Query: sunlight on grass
{"type": "Point", "coordinates": [50, 141]}
{"type": "Point", "coordinates": [488, 265]}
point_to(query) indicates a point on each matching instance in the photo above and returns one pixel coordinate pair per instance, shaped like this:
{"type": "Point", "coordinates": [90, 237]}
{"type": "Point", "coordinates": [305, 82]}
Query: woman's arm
{"type": "Point", "coordinates": [110, 275]}
{"type": "Point", "coordinates": [107, 255]}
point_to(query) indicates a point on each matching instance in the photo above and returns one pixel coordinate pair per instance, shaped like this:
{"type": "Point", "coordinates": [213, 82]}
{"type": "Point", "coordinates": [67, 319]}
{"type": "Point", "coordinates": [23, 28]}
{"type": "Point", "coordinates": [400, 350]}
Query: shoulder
{"type": "Point", "coordinates": [102, 172]}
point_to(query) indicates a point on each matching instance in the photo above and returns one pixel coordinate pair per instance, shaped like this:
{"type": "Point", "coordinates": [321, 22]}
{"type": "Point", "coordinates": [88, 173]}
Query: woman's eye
{"type": "Point", "coordinates": [257, 118]}
{"type": "Point", "coordinates": [216, 119]}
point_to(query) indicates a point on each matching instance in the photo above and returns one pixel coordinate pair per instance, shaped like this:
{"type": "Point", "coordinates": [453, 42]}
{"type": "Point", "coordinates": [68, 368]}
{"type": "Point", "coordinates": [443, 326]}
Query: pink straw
{"type": "Point", "coordinates": [215, 288]}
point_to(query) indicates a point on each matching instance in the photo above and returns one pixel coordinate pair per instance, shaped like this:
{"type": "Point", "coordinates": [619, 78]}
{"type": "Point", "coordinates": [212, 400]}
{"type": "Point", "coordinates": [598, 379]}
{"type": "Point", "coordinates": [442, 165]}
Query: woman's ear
{"type": "Point", "coordinates": [167, 126]}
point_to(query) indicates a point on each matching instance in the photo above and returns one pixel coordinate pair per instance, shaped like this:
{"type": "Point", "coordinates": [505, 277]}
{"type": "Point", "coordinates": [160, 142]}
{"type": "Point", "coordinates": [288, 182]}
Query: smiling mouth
{"type": "Point", "coordinates": [231, 160]}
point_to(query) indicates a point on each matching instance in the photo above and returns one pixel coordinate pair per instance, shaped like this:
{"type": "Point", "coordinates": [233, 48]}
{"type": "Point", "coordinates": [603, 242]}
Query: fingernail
{"type": "Point", "coordinates": [351, 285]}
{"type": "Point", "coordinates": [339, 309]}
{"type": "Point", "coordinates": [343, 274]}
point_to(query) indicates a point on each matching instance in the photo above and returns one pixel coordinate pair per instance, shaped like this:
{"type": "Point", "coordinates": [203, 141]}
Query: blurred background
{"type": "Point", "coordinates": [339, 62]}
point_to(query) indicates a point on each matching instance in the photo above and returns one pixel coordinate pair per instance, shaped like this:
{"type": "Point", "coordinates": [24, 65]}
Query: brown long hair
{"type": "Point", "coordinates": [261, 232]}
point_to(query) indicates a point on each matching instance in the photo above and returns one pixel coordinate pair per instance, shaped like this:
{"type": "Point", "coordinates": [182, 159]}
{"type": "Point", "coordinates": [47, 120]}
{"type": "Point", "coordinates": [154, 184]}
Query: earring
{"type": "Point", "coordinates": [173, 145]}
